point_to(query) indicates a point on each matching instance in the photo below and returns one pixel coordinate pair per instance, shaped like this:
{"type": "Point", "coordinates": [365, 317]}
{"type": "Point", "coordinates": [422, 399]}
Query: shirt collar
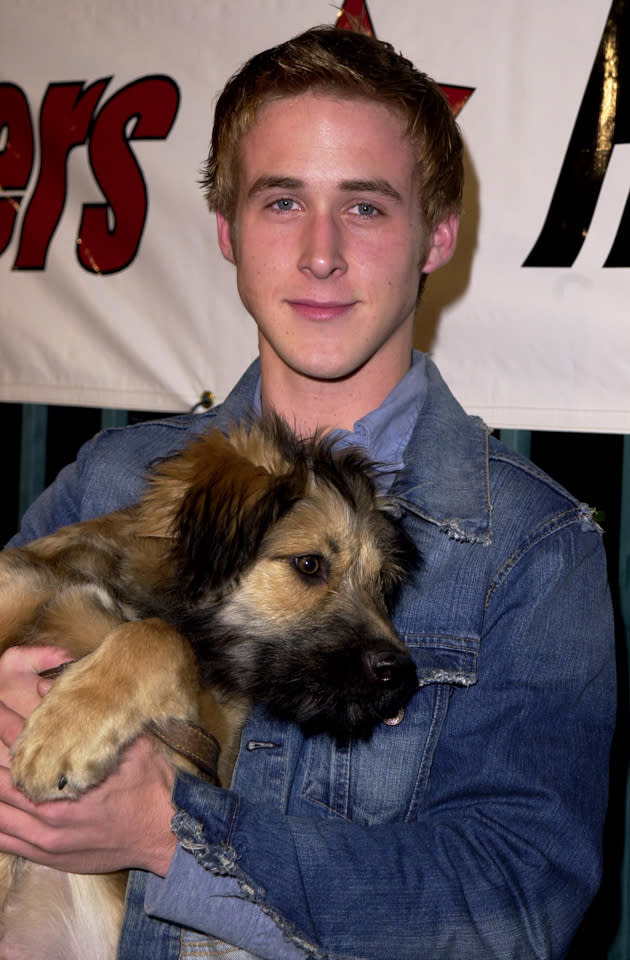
{"type": "Point", "coordinates": [384, 433]}
{"type": "Point", "coordinates": [445, 475]}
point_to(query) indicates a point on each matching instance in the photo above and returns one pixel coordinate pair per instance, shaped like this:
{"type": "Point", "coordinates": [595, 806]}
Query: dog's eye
{"type": "Point", "coordinates": [310, 565]}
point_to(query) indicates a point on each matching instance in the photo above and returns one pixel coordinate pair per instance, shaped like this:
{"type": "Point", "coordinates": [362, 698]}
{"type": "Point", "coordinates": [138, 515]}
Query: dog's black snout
{"type": "Point", "coordinates": [386, 667]}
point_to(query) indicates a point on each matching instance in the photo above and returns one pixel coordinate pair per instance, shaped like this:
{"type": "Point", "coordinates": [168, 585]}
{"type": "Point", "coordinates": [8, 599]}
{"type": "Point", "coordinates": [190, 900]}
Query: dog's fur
{"type": "Point", "coordinates": [257, 567]}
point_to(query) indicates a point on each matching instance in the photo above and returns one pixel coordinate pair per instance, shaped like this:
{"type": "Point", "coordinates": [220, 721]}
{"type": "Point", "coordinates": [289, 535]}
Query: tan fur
{"type": "Point", "coordinates": [102, 589]}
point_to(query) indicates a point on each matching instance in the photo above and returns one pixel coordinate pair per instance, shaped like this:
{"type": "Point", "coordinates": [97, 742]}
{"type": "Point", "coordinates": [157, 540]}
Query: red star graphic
{"type": "Point", "coordinates": [354, 15]}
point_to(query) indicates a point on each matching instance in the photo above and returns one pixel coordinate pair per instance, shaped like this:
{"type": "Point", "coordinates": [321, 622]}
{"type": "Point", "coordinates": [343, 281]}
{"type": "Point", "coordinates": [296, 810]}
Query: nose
{"type": "Point", "coordinates": [322, 243]}
{"type": "Point", "coordinates": [387, 668]}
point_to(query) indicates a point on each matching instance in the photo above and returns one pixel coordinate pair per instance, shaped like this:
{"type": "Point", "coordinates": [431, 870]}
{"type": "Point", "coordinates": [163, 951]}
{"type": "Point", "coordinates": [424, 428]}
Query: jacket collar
{"type": "Point", "coordinates": [444, 479]}
{"type": "Point", "coordinates": [445, 476]}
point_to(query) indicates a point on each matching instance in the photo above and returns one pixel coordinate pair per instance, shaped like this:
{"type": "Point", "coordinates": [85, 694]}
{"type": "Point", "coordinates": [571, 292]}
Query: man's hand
{"type": "Point", "coordinates": [122, 823]}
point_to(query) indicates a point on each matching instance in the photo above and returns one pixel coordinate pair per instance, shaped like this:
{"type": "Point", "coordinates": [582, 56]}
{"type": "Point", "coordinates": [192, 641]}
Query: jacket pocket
{"type": "Point", "coordinates": [383, 779]}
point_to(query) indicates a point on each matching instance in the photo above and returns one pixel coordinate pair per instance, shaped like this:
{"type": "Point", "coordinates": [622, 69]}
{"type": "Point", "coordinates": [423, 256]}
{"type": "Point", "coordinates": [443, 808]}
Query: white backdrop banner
{"type": "Point", "coordinates": [113, 290]}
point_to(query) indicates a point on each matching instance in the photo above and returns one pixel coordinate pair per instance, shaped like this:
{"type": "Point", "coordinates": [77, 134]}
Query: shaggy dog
{"type": "Point", "coordinates": [257, 567]}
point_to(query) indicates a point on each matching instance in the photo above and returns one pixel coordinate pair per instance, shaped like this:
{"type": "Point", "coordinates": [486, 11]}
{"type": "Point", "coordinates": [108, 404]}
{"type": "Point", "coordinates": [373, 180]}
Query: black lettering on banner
{"type": "Point", "coordinates": [603, 120]}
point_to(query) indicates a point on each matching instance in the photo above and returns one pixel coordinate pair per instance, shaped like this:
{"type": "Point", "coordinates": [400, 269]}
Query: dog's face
{"type": "Point", "coordinates": [288, 561]}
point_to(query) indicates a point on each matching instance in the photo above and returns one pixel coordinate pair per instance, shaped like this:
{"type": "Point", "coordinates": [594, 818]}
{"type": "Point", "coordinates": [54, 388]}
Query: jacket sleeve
{"type": "Point", "coordinates": [505, 854]}
{"type": "Point", "coordinates": [57, 506]}
{"type": "Point", "coordinates": [109, 474]}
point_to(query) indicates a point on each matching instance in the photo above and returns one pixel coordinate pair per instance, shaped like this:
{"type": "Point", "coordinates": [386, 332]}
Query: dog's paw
{"type": "Point", "coordinates": [63, 751]}
{"type": "Point", "coordinates": [142, 671]}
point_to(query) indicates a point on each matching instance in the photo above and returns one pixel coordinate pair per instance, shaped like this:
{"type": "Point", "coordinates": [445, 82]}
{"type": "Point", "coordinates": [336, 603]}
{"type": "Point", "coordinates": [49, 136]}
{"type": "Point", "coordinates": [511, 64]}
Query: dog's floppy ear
{"type": "Point", "coordinates": [228, 505]}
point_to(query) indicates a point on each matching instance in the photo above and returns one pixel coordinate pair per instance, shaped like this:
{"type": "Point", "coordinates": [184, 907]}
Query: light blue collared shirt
{"type": "Point", "coordinates": [384, 433]}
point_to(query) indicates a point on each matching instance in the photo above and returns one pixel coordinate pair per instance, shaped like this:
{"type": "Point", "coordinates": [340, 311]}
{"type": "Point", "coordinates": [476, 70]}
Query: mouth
{"type": "Point", "coordinates": [341, 712]}
{"type": "Point", "coordinates": [321, 310]}
{"type": "Point", "coordinates": [353, 720]}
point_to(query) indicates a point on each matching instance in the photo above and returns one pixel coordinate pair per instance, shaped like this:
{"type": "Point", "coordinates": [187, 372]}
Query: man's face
{"type": "Point", "coordinates": [328, 238]}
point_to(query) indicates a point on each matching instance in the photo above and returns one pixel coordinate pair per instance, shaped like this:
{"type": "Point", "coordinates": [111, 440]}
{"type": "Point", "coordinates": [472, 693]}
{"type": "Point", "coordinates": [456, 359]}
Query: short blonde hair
{"type": "Point", "coordinates": [349, 64]}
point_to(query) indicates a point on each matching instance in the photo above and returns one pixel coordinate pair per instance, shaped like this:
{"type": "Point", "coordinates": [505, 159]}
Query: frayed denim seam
{"type": "Point", "coordinates": [454, 529]}
{"type": "Point", "coordinates": [580, 514]}
{"type": "Point", "coordinates": [222, 860]}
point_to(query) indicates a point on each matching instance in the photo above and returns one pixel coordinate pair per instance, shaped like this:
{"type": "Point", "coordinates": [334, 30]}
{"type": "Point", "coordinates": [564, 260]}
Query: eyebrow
{"type": "Point", "coordinates": [269, 182]}
{"type": "Point", "coordinates": [377, 185]}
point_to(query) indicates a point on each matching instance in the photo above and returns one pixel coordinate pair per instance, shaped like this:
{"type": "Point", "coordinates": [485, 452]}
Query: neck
{"type": "Point", "coordinates": [309, 404]}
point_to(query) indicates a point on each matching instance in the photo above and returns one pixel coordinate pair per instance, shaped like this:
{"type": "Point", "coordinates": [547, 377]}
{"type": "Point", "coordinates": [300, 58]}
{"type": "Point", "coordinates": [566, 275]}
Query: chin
{"type": "Point", "coordinates": [329, 369]}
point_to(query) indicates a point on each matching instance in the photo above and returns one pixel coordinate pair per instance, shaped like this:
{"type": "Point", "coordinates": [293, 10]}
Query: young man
{"type": "Point", "coordinates": [473, 828]}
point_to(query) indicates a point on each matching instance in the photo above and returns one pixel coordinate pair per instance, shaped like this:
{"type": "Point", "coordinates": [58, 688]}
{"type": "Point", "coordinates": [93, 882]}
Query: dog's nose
{"type": "Point", "coordinates": [386, 667]}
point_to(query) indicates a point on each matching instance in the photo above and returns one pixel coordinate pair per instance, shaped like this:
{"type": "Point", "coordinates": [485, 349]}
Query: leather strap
{"type": "Point", "coordinates": [192, 742]}
{"type": "Point", "coordinates": [182, 736]}
{"type": "Point", "coordinates": [53, 672]}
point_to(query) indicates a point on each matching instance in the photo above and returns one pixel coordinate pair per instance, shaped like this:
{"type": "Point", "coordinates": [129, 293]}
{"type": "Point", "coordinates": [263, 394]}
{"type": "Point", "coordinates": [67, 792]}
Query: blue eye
{"type": "Point", "coordinates": [365, 209]}
{"type": "Point", "coordinates": [284, 204]}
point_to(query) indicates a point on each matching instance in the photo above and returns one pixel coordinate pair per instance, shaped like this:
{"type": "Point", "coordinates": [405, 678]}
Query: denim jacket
{"type": "Point", "coordinates": [470, 831]}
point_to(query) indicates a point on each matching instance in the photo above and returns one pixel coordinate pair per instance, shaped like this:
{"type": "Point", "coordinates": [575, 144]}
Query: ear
{"type": "Point", "coordinates": [443, 243]}
{"type": "Point", "coordinates": [229, 505]}
{"type": "Point", "coordinates": [224, 234]}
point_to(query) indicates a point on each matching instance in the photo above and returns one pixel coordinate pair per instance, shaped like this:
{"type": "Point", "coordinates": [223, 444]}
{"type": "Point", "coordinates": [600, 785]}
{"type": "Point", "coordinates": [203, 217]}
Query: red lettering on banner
{"type": "Point", "coordinates": [16, 158]}
{"type": "Point", "coordinates": [150, 104]}
{"type": "Point", "coordinates": [65, 116]}
{"type": "Point", "coordinates": [109, 233]}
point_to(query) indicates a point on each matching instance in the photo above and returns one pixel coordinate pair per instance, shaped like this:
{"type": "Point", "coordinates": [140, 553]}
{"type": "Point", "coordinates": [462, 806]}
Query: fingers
{"type": "Point", "coordinates": [20, 685]}
{"type": "Point", "coordinates": [33, 831]}
{"type": "Point", "coordinates": [21, 689]}
{"type": "Point", "coordinates": [124, 822]}
{"type": "Point", "coordinates": [11, 724]}
{"type": "Point", "coordinates": [32, 659]}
